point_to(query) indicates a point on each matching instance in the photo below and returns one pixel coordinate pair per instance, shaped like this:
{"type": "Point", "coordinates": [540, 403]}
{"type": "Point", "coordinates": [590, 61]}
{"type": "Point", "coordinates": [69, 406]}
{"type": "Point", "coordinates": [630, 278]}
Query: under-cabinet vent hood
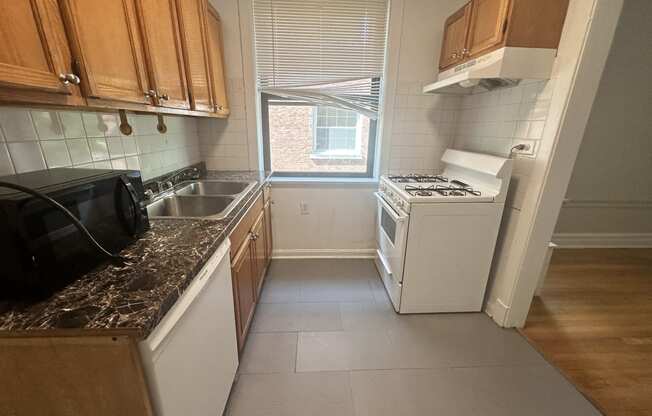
{"type": "Point", "coordinates": [500, 68]}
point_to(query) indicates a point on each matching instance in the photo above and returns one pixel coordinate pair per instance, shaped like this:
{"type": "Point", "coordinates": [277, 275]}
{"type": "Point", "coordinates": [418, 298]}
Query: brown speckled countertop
{"type": "Point", "coordinates": [137, 294]}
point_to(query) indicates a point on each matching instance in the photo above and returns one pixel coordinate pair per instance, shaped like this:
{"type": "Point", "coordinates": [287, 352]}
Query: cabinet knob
{"type": "Point", "coordinates": [454, 55]}
{"type": "Point", "coordinates": [151, 94]}
{"type": "Point", "coordinates": [219, 107]}
{"type": "Point", "coordinates": [164, 97]}
{"type": "Point", "coordinates": [69, 79]}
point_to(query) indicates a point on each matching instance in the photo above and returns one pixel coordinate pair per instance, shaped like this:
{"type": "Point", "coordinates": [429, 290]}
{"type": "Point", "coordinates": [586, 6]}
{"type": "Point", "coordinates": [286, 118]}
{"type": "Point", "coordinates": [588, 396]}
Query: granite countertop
{"type": "Point", "coordinates": [136, 295]}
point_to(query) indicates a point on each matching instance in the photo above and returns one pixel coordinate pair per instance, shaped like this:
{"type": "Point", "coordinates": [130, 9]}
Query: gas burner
{"type": "Point", "coordinates": [416, 178]}
{"type": "Point", "coordinates": [457, 189]}
{"type": "Point", "coordinates": [419, 190]}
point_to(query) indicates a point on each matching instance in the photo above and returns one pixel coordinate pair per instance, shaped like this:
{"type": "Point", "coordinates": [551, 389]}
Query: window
{"type": "Point", "coordinates": [319, 68]}
{"type": "Point", "coordinates": [337, 132]}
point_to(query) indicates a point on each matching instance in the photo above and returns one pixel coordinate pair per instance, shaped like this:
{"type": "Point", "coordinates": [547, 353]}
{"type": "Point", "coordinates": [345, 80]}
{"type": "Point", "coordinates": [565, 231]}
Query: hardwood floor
{"type": "Point", "coordinates": [593, 320]}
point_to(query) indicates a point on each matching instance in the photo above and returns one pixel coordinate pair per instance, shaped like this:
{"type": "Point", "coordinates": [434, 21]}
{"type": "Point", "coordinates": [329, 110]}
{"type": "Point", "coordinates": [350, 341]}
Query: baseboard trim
{"type": "Point", "coordinates": [602, 240]}
{"type": "Point", "coordinates": [324, 253]}
{"type": "Point", "coordinates": [497, 310]}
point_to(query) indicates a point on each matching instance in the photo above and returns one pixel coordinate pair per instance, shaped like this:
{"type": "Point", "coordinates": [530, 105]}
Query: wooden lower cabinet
{"type": "Point", "coordinates": [260, 251]}
{"type": "Point", "coordinates": [268, 232]}
{"type": "Point", "coordinates": [243, 275]}
{"type": "Point", "coordinates": [250, 256]}
{"type": "Point", "coordinates": [66, 375]}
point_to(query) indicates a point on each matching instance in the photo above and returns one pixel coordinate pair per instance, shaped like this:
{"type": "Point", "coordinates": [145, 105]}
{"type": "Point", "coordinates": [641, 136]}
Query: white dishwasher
{"type": "Point", "coordinates": [191, 357]}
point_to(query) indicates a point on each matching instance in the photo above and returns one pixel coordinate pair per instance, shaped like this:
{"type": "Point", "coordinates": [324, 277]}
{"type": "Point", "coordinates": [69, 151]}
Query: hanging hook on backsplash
{"type": "Point", "coordinates": [125, 127]}
{"type": "Point", "coordinates": [161, 127]}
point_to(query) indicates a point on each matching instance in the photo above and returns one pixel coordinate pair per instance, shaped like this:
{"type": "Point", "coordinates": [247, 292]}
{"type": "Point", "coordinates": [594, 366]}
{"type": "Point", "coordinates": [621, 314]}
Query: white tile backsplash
{"type": "Point", "coordinates": [79, 151]}
{"type": "Point", "coordinates": [47, 124]}
{"type": "Point", "coordinates": [35, 140]}
{"type": "Point", "coordinates": [224, 142]}
{"type": "Point", "coordinates": [6, 167]}
{"type": "Point", "coordinates": [16, 124]}
{"type": "Point", "coordinates": [73, 127]}
{"type": "Point", "coordinates": [495, 121]}
{"type": "Point", "coordinates": [56, 153]}
{"type": "Point", "coordinates": [26, 156]}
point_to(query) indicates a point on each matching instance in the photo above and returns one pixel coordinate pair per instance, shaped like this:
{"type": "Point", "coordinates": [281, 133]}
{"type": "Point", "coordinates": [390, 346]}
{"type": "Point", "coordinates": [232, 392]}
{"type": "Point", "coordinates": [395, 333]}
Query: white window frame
{"type": "Point", "coordinates": [355, 153]}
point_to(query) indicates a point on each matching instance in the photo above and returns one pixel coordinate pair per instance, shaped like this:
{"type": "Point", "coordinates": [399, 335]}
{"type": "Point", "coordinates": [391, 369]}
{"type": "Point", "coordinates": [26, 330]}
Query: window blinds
{"type": "Point", "coordinates": [327, 52]}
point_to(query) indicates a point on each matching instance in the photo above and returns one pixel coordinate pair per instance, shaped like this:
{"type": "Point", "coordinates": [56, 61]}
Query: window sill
{"type": "Point", "coordinates": [326, 156]}
{"type": "Point", "coordinates": [322, 180]}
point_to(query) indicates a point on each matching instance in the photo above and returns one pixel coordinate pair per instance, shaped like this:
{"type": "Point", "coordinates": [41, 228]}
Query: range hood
{"type": "Point", "coordinates": [500, 68]}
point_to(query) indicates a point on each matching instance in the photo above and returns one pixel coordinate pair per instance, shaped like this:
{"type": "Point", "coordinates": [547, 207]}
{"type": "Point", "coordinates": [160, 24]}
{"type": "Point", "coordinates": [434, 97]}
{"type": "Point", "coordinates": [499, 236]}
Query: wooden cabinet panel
{"type": "Point", "coordinates": [34, 52]}
{"type": "Point", "coordinates": [106, 45]}
{"type": "Point", "coordinates": [192, 26]}
{"type": "Point", "coordinates": [242, 273]}
{"type": "Point", "coordinates": [268, 231]}
{"type": "Point", "coordinates": [241, 231]}
{"type": "Point", "coordinates": [260, 252]}
{"type": "Point", "coordinates": [163, 52]}
{"type": "Point", "coordinates": [455, 34]}
{"type": "Point", "coordinates": [216, 55]}
{"type": "Point", "coordinates": [89, 375]}
{"type": "Point", "coordinates": [487, 26]}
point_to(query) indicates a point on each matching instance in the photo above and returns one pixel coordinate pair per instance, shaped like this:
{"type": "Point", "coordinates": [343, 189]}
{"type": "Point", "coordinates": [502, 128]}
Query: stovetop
{"type": "Point", "coordinates": [414, 188]}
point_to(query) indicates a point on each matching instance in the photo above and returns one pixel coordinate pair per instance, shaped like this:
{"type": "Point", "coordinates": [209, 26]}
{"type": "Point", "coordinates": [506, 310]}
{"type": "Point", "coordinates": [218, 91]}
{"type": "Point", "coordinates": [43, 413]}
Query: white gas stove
{"type": "Point", "coordinates": [436, 233]}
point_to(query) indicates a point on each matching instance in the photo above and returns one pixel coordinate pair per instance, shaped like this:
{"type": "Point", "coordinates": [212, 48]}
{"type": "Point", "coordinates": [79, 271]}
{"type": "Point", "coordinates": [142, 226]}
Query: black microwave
{"type": "Point", "coordinates": [42, 249]}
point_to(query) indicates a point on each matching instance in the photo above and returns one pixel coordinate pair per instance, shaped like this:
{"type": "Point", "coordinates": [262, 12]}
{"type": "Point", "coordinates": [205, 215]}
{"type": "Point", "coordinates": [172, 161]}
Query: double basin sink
{"type": "Point", "coordinates": [204, 198]}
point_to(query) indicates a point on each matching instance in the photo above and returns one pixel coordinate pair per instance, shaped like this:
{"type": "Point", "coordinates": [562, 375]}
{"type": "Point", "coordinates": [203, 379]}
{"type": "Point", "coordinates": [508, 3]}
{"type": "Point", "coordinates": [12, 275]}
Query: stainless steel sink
{"type": "Point", "coordinates": [211, 187]}
{"type": "Point", "coordinates": [213, 207]}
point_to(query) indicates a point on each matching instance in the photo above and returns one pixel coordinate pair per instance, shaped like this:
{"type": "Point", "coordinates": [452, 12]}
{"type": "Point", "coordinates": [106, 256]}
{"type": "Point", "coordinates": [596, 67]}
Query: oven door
{"type": "Point", "coordinates": [391, 236]}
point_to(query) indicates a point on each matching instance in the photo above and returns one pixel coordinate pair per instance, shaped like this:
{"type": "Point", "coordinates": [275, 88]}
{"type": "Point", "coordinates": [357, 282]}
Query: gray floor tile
{"type": "Point", "coordinates": [366, 316]}
{"type": "Point", "coordinates": [289, 317]}
{"type": "Point", "coordinates": [345, 350]}
{"type": "Point", "coordinates": [458, 340]}
{"type": "Point", "coordinates": [269, 353]}
{"type": "Point", "coordinates": [314, 394]}
{"type": "Point", "coordinates": [500, 391]}
{"type": "Point", "coordinates": [342, 280]}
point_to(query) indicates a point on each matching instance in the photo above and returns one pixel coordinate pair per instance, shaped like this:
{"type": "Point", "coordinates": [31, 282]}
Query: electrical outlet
{"type": "Point", "coordinates": [303, 208]}
{"type": "Point", "coordinates": [524, 148]}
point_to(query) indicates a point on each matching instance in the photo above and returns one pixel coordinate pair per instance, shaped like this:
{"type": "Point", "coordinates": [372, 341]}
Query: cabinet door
{"type": "Point", "coordinates": [34, 51]}
{"type": "Point", "coordinates": [268, 231]}
{"type": "Point", "coordinates": [192, 26]}
{"type": "Point", "coordinates": [160, 31]}
{"type": "Point", "coordinates": [216, 55]}
{"type": "Point", "coordinates": [260, 252]}
{"type": "Point", "coordinates": [455, 34]}
{"type": "Point", "coordinates": [488, 24]}
{"type": "Point", "coordinates": [107, 47]}
{"type": "Point", "coordinates": [242, 273]}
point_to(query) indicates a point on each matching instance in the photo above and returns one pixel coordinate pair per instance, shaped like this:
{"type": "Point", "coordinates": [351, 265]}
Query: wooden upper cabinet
{"type": "Point", "coordinates": [192, 26]}
{"type": "Point", "coordinates": [163, 52]}
{"type": "Point", "coordinates": [34, 54]}
{"type": "Point", "coordinates": [483, 26]}
{"type": "Point", "coordinates": [487, 26]}
{"type": "Point", "coordinates": [107, 48]}
{"type": "Point", "coordinates": [455, 34]}
{"type": "Point", "coordinates": [216, 56]}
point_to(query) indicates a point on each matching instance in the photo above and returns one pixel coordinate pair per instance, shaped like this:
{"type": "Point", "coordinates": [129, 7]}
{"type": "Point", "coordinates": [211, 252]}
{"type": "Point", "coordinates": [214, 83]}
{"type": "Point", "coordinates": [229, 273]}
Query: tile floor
{"type": "Point", "coordinates": [326, 341]}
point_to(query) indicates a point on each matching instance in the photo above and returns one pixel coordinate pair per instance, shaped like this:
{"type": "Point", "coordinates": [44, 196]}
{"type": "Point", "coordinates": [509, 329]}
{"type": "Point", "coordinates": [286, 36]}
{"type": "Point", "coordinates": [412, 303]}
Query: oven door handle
{"type": "Point", "coordinates": [396, 214]}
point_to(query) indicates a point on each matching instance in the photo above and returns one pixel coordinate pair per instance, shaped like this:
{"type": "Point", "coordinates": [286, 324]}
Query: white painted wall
{"type": "Point", "coordinates": [609, 198]}
{"type": "Point", "coordinates": [338, 220]}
